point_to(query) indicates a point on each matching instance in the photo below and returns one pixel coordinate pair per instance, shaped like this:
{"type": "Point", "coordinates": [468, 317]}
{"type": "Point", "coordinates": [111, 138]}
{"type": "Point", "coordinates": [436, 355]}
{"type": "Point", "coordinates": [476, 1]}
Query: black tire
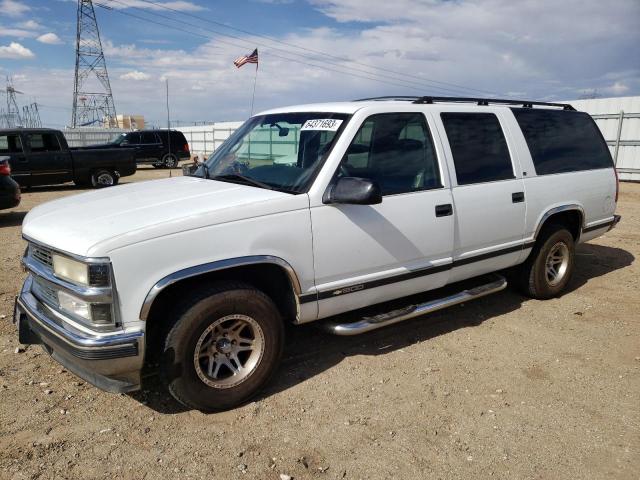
{"type": "Point", "coordinates": [534, 279]}
{"type": "Point", "coordinates": [104, 178]}
{"type": "Point", "coordinates": [192, 319]}
{"type": "Point", "coordinates": [170, 160]}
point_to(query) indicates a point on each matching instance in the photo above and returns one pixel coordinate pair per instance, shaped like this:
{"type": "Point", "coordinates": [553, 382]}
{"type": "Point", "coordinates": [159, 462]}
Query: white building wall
{"type": "Point", "coordinates": [608, 113]}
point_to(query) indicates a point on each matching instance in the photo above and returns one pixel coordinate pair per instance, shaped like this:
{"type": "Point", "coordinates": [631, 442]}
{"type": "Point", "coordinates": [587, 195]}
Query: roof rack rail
{"type": "Point", "coordinates": [487, 101]}
{"type": "Point", "coordinates": [479, 101]}
{"type": "Point", "coordinates": [389, 97]}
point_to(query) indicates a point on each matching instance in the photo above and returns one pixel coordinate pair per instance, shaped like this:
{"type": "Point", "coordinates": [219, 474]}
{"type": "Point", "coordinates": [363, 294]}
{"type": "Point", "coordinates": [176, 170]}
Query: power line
{"type": "Point", "coordinates": [371, 75]}
{"type": "Point", "coordinates": [306, 49]}
{"type": "Point", "coordinates": [404, 82]}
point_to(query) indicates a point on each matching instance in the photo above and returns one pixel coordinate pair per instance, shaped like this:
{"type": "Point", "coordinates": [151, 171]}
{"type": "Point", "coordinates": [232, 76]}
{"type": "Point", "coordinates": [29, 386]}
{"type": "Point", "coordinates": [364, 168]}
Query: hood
{"type": "Point", "coordinates": [94, 223]}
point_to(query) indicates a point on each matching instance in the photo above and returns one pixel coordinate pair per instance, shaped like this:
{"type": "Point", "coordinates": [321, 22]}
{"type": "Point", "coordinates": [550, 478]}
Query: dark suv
{"type": "Point", "coordinates": [153, 146]}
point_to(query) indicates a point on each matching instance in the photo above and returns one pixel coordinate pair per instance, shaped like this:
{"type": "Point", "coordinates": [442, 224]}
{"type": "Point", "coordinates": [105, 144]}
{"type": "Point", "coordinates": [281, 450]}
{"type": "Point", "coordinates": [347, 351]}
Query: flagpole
{"type": "Point", "coordinates": [255, 80]}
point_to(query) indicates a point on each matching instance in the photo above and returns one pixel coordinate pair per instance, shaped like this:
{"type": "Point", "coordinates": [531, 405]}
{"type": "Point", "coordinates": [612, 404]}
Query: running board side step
{"type": "Point", "coordinates": [367, 324]}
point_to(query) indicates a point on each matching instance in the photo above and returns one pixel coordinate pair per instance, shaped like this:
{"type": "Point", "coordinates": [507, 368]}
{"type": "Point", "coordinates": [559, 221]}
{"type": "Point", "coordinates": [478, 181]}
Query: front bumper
{"type": "Point", "coordinates": [110, 361]}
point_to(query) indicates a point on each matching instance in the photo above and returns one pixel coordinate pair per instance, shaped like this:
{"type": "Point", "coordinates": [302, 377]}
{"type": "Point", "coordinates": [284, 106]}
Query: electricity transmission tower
{"type": "Point", "coordinates": [92, 97]}
{"type": "Point", "coordinates": [11, 116]}
{"type": "Point", "coordinates": [31, 116]}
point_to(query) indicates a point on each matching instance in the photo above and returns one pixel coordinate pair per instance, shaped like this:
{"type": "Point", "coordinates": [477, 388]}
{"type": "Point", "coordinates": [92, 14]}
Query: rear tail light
{"type": "Point", "coordinates": [617, 183]}
{"type": "Point", "coordinates": [185, 148]}
{"type": "Point", "coordinates": [5, 168]}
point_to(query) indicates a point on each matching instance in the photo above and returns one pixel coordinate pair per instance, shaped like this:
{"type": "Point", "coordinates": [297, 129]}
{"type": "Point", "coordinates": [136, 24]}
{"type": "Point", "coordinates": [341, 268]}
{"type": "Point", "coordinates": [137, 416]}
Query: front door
{"type": "Point", "coordinates": [368, 254]}
{"type": "Point", "coordinates": [48, 163]}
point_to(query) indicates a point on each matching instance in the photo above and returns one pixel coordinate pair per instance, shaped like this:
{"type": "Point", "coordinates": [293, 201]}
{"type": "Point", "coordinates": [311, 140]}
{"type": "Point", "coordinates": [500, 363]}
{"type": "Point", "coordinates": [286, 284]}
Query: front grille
{"type": "Point", "coordinates": [41, 254]}
{"type": "Point", "coordinates": [44, 293]}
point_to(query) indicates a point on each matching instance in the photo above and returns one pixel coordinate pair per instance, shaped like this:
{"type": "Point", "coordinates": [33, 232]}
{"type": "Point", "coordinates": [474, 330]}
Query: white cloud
{"type": "Point", "coordinates": [15, 51]}
{"type": "Point", "coordinates": [30, 24]}
{"type": "Point", "coordinates": [618, 88]}
{"type": "Point", "coordinates": [13, 8]}
{"type": "Point", "coordinates": [50, 39]}
{"type": "Point", "coordinates": [135, 76]}
{"type": "Point", "coordinates": [16, 32]}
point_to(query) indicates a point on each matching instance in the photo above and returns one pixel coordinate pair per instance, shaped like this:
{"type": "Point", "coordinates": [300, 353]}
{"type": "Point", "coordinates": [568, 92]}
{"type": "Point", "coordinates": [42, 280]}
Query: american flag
{"type": "Point", "coordinates": [252, 58]}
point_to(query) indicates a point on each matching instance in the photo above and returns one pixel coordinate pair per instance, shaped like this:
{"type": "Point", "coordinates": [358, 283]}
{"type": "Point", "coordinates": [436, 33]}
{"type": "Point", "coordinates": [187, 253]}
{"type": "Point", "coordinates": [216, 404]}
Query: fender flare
{"type": "Point", "coordinates": [216, 267]}
{"type": "Point", "coordinates": [559, 209]}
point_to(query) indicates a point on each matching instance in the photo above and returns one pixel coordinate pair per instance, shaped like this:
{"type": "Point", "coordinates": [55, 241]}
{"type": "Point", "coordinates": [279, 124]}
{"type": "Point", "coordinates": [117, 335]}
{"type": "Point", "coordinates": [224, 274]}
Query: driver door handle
{"type": "Point", "coordinates": [444, 210]}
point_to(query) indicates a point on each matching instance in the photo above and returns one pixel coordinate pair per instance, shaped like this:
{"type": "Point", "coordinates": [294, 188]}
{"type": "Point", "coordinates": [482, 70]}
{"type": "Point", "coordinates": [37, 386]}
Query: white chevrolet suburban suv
{"type": "Point", "coordinates": [303, 214]}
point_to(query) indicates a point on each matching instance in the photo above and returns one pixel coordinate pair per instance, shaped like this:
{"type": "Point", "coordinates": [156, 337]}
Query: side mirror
{"type": "Point", "coordinates": [354, 191]}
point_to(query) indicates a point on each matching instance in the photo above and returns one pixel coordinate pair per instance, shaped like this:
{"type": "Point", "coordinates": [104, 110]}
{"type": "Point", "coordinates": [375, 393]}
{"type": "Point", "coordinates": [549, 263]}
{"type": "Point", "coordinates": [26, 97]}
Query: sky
{"type": "Point", "coordinates": [319, 51]}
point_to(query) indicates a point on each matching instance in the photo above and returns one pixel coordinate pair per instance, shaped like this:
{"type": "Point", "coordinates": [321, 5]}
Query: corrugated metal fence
{"type": "Point", "coordinates": [81, 137]}
{"type": "Point", "coordinates": [619, 121]}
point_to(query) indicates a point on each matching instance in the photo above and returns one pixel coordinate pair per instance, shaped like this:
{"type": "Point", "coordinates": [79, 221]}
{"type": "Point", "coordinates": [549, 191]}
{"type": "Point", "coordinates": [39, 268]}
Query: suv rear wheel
{"type": "Point", "coordinates": [225, 344]}
{"type": "Point", "coordinates": [548, 270]}
{"type": "Point", "coordinates": [170, 160]}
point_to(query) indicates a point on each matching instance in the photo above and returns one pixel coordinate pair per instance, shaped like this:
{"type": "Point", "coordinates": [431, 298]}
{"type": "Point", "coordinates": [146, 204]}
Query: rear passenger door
{"type": "Point", "coordinates": [488, 193]}
{"type": "Point", "coordinates": [150, 146]}
{"type": "Point", "coordinates": [48, 163]}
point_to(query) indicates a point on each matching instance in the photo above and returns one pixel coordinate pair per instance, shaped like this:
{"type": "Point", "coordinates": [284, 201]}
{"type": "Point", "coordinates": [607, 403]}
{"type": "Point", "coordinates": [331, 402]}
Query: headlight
{"type": "Point", "coordinates": [74, 305]}
{"type": "Point", "coordinates": [93, 274]}
{"type": "Point", "coordinates": [96, 313]}
{"type": "Point", "coordinates": [72, 270]}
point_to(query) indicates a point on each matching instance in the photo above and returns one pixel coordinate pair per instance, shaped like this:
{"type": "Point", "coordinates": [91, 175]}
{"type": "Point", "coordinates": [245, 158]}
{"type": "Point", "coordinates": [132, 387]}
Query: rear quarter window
{"type": "Point", "coordinates": [562, 141]}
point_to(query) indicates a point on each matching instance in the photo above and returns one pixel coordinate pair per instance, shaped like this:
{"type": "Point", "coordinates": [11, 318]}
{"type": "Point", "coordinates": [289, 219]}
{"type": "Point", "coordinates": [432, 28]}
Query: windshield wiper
{"type": "Point", "coordinates": [250, 181]}
{"type": "Point", "coordinates": [242, 178]}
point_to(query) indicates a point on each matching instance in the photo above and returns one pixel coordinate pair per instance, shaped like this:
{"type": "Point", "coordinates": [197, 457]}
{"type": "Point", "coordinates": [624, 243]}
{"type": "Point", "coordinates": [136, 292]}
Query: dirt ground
{"type": "Point", "coordinates": [503, 387]}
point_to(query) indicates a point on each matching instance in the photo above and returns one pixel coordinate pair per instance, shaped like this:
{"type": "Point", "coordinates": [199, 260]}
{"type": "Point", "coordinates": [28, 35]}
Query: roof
{"type": "Point", "coordinates": [27, 130]}
{"type": "Point", "coordinates": [404, 101]}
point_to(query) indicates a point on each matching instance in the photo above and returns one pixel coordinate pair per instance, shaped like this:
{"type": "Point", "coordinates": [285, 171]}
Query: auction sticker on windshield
{"type": "Point", "coordinates": [326, 124]}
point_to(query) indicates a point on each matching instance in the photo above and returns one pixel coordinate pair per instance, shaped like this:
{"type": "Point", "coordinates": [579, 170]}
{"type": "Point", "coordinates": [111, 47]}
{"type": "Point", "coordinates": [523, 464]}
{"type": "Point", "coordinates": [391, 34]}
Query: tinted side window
{"type": "Point", "coordinates": [149, 137]}
{"type": "Point", "coordinates": [44, 142]}
{"type": "Point", "coordinates": [133, 138]}
{"type": "Point", "coordinates": [178, 138]}
{"type": "Point", "coordinates": [10, 144]}
{"type": "Point", "coordinates": [395, 150]}
{"type": "Point", "coordinates": [479, 149]}
{"type": "Point", "coordinates": [562, 141]}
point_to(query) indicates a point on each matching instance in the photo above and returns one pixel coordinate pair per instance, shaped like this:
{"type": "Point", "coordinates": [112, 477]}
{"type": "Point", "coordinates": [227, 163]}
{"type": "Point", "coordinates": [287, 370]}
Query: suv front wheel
{"type": "Point", "coordinates": [225, 344]}
{"type": "Point", "coordinates": [547, 271]}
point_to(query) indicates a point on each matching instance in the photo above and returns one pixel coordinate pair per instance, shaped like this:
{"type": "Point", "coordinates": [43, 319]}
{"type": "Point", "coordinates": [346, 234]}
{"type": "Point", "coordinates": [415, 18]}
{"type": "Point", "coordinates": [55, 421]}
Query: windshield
{"type": "Point", "coordinates": [280, 151]}
{"type": "Point", "coordinates": [117, 140]}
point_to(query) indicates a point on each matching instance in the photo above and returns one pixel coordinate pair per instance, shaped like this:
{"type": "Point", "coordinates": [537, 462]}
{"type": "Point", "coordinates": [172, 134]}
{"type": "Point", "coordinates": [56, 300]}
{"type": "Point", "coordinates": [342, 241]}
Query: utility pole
{"type": "Point", "coordinates": [92, 98]}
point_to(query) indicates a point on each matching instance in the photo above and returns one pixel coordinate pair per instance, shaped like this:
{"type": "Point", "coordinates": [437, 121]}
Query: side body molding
{"type": "Point", "coordinates": [559, 209]}
{"type": "Point", "coordinates": [217, 266]}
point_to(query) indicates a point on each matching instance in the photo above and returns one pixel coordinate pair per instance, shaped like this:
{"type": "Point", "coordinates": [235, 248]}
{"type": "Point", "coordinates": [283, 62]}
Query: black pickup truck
{"type": "Point", "coordinates": [42, 157]}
